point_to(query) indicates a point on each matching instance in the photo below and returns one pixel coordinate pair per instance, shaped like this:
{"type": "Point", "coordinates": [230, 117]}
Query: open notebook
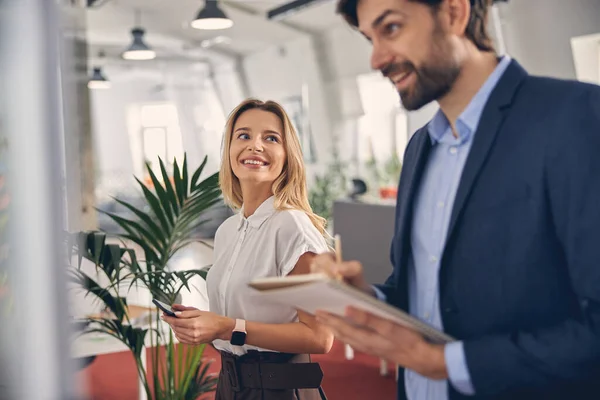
{"type": "Point", "coordinates": [314, 292]}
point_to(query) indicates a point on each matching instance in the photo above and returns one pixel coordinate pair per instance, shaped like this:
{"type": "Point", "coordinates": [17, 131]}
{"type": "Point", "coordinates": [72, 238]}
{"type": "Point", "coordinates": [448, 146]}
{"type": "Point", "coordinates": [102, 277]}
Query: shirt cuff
{"type": "Point", "coordinates": [458, 372]}
{"type": "Point", "coordinates": [379, 294]}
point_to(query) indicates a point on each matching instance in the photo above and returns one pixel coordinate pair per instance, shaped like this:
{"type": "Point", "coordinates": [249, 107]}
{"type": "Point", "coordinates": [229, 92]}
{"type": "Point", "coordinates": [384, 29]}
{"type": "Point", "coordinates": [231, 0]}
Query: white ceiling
{"type": "Point", "coordinates": [168, 31]}
{"type": "Point", "coordinates": [317, 17]}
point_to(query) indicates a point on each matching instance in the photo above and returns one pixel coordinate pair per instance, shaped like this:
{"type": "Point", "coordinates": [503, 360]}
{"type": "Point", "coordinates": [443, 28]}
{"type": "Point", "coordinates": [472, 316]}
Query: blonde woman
{"type": "Point", "coordinates": [265, 347]}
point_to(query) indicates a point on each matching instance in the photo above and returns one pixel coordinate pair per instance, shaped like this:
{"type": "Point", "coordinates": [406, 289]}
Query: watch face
{"type": "Point", "coordinates": [238, 338]}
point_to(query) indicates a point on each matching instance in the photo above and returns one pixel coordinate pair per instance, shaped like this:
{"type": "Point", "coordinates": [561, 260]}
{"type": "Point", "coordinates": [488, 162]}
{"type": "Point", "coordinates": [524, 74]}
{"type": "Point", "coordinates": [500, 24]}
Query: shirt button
{"type": "Point", "coordinates": [426, 315]}
{"type": "Point", "coordinates": [433, 258]}
{"type": "Point", "coordinates": [453, 150]}
{"type": "Point", "coordinates": [441, 204]}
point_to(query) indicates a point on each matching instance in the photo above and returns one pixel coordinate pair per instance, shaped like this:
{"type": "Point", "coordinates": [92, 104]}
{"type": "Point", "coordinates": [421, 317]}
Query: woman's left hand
{"type": "Point", "coordinates": [193, 326]}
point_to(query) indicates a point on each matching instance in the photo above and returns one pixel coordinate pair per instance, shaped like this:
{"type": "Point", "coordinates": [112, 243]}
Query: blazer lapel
{"type": "Point", "coordinates": [491, 120]}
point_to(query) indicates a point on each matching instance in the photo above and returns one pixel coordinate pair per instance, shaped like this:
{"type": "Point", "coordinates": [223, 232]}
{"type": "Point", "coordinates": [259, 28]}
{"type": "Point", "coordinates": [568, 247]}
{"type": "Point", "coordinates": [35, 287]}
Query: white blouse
{"type": "Point", "coordinates": [268, 243]}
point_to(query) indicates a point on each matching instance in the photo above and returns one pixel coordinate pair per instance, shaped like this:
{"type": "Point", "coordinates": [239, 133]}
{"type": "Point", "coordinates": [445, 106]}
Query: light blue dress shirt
{"type": "Point", "coordinates": [433, 206]}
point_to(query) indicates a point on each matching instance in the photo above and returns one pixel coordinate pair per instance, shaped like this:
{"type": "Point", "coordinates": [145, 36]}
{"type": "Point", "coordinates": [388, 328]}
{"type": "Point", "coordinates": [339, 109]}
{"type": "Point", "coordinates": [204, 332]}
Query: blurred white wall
{"type": "Point", "coordinates": [116, 118]}
{"type": "Point", "coordinates": [586, 55]}
{"type": "Point", "coordinates": [538, 33]}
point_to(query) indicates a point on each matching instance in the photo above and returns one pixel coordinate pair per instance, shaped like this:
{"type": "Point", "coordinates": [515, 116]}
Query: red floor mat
{"type": "Point", "coordinates": [113, 376]}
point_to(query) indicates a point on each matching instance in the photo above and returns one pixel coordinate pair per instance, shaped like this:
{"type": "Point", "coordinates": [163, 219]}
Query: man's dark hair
{"type": "Point", "coordinates": [476, 29]}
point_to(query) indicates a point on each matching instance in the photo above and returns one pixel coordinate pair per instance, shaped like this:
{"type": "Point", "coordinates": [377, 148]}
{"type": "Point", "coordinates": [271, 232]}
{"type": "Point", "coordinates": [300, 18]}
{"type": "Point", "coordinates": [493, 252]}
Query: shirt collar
{"type": "Point", "coordinates": [262, 213]}
{"type": "Point", "coordinates": [468, 120]}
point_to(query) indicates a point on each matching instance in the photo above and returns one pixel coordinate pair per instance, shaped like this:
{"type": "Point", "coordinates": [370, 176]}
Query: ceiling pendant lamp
{"type": "Point", "coordinates": [138, 50]}
{"type": "Point", "coordinates": [98, 80]}
{"type": "Point", "coordinates": [211, 17]}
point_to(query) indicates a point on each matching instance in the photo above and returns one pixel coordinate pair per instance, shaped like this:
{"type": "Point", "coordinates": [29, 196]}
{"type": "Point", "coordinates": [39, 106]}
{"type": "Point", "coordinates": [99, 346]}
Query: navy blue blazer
{"type": "Point", "coordinates": [520, 272]}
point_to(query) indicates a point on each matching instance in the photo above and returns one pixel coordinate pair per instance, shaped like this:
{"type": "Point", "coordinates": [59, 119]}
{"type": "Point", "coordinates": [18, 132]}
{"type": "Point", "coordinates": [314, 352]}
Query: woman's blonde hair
{"type": "Point", "coordinates": [289, 188]}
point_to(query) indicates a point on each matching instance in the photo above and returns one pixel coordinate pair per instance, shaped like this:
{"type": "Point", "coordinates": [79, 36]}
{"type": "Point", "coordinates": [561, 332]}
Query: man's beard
{"type": "Point", "coordinates": [434, 79]}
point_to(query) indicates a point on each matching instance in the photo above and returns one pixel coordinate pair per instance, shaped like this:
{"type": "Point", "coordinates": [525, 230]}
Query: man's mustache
{"type": "Point", "coordinates": [396, 68]}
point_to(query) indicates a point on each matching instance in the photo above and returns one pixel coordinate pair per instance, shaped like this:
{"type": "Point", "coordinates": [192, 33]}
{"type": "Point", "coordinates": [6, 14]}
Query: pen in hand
{"type": "Point", "coordinates": [338, 254]}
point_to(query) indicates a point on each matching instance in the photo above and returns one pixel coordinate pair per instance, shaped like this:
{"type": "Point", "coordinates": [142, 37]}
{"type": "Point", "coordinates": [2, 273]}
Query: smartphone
{"type": "Point", "coordinates": [164, 307]}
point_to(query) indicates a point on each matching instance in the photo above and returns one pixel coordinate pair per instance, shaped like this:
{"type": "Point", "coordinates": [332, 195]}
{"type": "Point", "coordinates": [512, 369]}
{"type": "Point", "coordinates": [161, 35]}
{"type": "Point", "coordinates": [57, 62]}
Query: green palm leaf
{"type": "Point", "coordinates": [200, 382]}
{"type": "Point", "coordinates": [147, 220]}
{"type": "Point", "coordinates": [151, 256]}
{"type": "Point", "coordinates": [168, 187]}
{"type": "Point", "coordinates": [177, 180]}
{"type": "Point", "coordinates": [161, 194]}
{"type": "Point", "coordinates": [92, 287]}
{"type": "Point", "coordinates": [154, 205]}
{"type": "Point", "coordinates": [197, 173]}
{"type": "Point", "coordinates": [135, 229]}
{"type": "Point", "coordinates": [184, 179]}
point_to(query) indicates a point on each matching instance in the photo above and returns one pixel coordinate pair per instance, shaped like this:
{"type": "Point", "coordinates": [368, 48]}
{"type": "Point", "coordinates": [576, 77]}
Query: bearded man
{"type": "Point", "coordinates": [497, 238]}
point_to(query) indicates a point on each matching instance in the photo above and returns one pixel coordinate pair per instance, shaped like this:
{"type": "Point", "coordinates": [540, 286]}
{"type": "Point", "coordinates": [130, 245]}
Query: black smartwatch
{"type": "Point", "coordinates": [238, 336]}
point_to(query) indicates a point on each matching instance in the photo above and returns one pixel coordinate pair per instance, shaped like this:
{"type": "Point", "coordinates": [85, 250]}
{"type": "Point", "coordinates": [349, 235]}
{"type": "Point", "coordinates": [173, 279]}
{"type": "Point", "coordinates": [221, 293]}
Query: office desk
{"type": "Point", "coordinates": [366, 231]}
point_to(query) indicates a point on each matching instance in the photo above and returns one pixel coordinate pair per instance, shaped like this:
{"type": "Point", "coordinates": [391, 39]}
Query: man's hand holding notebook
{"type": "Point", "coordinates": [333, 288]}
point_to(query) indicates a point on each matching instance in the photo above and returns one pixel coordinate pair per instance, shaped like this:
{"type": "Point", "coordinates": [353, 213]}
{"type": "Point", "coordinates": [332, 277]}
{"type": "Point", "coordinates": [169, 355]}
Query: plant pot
{"type": "Point", "coordinates": [388, 192]}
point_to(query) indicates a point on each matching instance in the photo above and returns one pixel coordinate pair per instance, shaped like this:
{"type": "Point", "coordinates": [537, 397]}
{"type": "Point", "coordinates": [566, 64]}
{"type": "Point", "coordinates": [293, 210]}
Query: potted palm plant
{"type": "Point", "coordinates": [175, 207]}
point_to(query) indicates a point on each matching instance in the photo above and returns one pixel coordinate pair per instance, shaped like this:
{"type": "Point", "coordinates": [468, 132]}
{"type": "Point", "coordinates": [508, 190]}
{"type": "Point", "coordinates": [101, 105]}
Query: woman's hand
{"type": "Point", "coordinates": [192, 326]}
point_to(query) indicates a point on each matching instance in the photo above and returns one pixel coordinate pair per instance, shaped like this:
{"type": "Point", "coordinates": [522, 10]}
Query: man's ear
{"type": "Point", "coordinates": [459, 13]}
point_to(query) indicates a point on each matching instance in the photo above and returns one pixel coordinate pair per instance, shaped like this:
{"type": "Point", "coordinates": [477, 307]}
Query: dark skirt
{"type": "Point", "coordinates": [269, 376]}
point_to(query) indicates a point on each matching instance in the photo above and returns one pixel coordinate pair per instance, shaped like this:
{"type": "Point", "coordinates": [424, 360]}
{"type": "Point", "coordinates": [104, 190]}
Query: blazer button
{"type": "Point", "coordinates": [584, 303]}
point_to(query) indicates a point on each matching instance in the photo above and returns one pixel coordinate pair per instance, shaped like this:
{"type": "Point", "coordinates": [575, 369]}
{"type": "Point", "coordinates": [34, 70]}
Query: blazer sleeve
{"type": "Point", "coordinates": [570, 350]}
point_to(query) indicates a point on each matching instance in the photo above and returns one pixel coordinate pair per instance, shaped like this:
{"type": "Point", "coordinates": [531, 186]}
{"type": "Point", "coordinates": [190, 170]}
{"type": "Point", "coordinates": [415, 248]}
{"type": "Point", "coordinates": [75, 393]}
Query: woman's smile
{"type": "Point", "coordinates": [254, 162]}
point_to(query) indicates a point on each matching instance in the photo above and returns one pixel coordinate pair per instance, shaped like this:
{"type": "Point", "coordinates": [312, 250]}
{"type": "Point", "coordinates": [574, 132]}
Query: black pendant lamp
{"type": "Point", "coordinates": [211, 17]}
{"type": "Point", "coordinates": [98, 80]}
{"type": "Point", "coordinates": [138, 50]}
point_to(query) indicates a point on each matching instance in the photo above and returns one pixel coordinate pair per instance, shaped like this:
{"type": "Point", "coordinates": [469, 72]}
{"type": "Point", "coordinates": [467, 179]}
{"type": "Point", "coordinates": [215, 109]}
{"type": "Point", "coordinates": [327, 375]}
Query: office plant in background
{"type": "Point", "coordinates": [326, 188]}
{"type": "Point", "coordinates": [176, 204]}
{"type": "Point", "coordinates": [391, 176]}
{"type": "Point", "coordinates": [384, 179]}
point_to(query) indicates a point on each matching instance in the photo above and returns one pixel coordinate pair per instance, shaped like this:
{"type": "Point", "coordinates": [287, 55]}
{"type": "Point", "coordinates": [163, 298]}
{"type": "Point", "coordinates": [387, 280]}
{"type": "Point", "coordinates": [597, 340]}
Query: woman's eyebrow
{"type": "Point", "coordinates": [272, 132]}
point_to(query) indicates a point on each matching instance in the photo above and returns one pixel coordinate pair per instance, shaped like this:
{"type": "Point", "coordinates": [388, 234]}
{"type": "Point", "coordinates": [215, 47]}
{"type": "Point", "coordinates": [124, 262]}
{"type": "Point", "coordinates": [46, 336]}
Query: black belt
{"type": "Point", "coordinates": [271, 371]}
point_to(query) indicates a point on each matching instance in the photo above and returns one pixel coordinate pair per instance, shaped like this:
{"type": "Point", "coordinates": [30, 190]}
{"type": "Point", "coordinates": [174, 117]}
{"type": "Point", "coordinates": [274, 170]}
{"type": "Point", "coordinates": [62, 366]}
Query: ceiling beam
{"type": "Point", "coordinates": [290, 8]}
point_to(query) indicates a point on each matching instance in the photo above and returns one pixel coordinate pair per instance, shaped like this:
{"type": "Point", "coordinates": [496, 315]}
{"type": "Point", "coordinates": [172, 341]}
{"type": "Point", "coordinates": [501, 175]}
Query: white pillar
{"type": "Point", "coordinates": [35, 336]}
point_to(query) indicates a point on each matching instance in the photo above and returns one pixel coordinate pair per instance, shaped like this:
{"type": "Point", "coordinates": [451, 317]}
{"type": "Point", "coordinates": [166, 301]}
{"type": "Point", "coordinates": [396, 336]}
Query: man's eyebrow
{"type": "Point", "coordinates": [381, 17]}
{"type": "Point", "coordinates": [379, 20]}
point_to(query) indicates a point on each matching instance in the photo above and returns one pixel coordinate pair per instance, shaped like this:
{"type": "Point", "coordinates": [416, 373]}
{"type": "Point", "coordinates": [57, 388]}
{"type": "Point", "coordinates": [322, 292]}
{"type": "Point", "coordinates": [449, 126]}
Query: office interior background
{"type": "Point", "coordinates": [81, 115]}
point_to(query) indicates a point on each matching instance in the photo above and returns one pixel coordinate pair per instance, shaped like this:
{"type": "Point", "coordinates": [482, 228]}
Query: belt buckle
{"type": "Point", "coordinates": [232, 372]}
